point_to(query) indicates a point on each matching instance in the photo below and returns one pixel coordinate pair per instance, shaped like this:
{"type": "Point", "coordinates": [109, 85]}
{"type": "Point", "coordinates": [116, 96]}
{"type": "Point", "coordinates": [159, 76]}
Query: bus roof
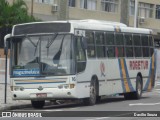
{"type": "Point", "coordinates": [90, 24]}
{"type": "Point", "coordinates": [107, 26]}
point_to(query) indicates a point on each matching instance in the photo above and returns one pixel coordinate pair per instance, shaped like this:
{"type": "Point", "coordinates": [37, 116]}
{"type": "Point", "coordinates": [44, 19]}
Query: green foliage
{"type": "Point", "coordinates": [14, 13]}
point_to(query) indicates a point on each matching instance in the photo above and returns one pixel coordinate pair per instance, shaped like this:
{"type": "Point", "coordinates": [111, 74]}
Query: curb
{"type": "Point", "coordinates": [12, 107]}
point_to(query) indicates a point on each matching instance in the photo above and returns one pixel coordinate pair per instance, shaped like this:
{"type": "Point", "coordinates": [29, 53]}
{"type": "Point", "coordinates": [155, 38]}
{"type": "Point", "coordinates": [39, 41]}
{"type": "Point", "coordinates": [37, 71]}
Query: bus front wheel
{"type": "Point", "coordinates": [93, 94]}
{"type": "Point", "coordinates": [38, 104]}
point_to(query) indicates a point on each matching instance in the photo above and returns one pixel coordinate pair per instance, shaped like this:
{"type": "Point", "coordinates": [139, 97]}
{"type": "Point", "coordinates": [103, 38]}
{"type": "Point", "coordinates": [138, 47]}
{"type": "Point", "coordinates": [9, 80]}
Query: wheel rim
{"type": "Point", "coordinates": [93, 93]}
{"type": "Point", "coordinates": [139, 88]}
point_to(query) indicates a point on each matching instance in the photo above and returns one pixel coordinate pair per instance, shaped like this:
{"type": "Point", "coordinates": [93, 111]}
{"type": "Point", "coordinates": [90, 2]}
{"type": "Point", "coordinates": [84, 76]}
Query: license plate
{"type": "Point", "coordinates": [41, 95]}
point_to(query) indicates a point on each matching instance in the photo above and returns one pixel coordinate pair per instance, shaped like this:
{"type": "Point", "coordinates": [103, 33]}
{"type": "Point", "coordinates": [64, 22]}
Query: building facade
{"type": "Point", "coordinates": [110, 10]}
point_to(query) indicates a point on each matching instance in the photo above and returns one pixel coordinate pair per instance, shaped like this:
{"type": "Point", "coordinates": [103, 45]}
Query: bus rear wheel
{"type": "Point", "coordinates": [93, 94]}
{"type": "Point", "coordinates": [38, 104]}
{"type": "Point", "coordinates": [138, 93]}
{"type": "Point", "coordinates": [139, 86]}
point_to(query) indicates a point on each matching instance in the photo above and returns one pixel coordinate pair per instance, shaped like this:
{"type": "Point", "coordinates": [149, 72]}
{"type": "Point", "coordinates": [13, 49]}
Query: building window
{"type": "Point", "coordinates": [109, 5]}
{"type": "Point", "coordinates": [158, 12]}
{"type": "Point", "coordinates": [45, 1]}
{"type": "Point", "coordinates": [72, 3]}
{"type": "Point", "coordinates": [146, 10]}
{"type": "Point", "coordinates": [88, 4]}
{"type": "Point", "coordinates": [132, 7]}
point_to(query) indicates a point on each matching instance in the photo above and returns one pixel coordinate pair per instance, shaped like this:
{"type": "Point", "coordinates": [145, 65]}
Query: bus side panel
{"type": "Point", "coordinates": [129, 69]}
{"type": "Point", "coordinates": [126, 75]}
{"type": "Point", "coordinates": [142, 66]}
{"type": "Point", "coordinates": [151, 74]}
{"type": "Point", "coordinates": [93, 69]}
{"type": "Point", "coordinates": [113, 77]}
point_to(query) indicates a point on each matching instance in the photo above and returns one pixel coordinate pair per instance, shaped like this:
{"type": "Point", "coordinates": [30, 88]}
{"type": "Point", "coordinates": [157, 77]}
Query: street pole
{"type": "Point", "coordinates": [32, 8]}
{"type": "Point", "coordinates": [6, 53]}
{"type": "Point", "coordinates": [135, 13]}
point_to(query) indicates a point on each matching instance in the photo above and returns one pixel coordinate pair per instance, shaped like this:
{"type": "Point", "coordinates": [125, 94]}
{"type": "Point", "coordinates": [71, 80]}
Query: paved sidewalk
{"type": "Point", "coordinates": [11, 104]}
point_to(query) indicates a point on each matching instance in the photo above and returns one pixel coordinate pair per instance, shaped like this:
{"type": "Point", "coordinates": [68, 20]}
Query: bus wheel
{"type": "Point", "coordinates": [138, 93]}
{"type": "Point", "coordinates": [93, 94]}
{"type": "Point", "coordinates": [139, 86]}
{"type": "Point", "coordinates": [38, 104]}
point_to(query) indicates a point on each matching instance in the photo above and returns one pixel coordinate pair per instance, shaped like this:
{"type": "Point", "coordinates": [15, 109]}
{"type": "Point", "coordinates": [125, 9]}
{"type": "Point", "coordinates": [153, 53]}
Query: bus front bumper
{"type": "Point", "coordinates": [45, 94]}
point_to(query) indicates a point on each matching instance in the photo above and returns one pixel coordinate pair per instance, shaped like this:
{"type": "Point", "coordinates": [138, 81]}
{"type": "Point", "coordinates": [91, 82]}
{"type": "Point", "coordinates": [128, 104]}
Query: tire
{"type": "Point", "coordinates": [93, 94]}
{"type": "Point", "coordinates": [38, 104]}
{"type": "Point", "coordinates": [138, 93]}
{"type": "Point", "coordinates": [139, 86]}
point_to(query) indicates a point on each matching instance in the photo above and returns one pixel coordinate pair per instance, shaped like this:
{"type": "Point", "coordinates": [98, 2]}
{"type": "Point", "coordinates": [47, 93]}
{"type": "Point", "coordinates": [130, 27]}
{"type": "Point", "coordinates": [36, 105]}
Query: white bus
{"type": "Point", "coordinates": [80, 59]}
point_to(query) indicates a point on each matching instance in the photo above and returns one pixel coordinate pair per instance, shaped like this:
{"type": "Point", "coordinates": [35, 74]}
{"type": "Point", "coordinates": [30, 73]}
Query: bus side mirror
{"type": "Point", "coordinates": [6, 43]}
{"type": "Point", "coordinates": [84, 43]}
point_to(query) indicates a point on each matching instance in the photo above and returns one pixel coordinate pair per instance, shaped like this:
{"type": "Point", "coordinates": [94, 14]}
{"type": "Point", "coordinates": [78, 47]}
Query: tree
{"type": "Point", "coordinates": [11, 15]}
{"type": "Point", "coordinates": [15, 13]}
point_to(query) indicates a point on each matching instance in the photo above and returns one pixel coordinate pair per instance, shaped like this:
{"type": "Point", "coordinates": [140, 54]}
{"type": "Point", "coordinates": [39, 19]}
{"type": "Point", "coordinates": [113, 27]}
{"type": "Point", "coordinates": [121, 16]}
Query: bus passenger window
{"type": "Point", "coordinates": [119, 39]}
{"type": "Point", "coordinates": [90, 38]}
{"type": "Point", "coordinates": [99, 38]}
{"type": "Point", "coordinates": [150, 41]}
{"type": "Point", "coordinates": [91, 45]}
{"type": "Point", "coordinates": [128, 39]}
{"type": "Point", "coordinates": [109, 39]}
{"type": "Point", "coordinates": [128, 45]}
{"type": "Point", "coordinates": [110, 52]}
{"type": "Point", "coordinates": [129, 52]}
{"type": "Point", "coordinates": [144, 40]}
{"type": "Point", "coordinates": [137, 40]}
{"type": "Point", "coordinates": [138, 52]}
{"type": "Point", "coordinates": [100, 51]}
{"type": "Point", "coordinates": [119, 51]}
{"type": "Point", "coordinates": [91, 51]}
{"type": "Point", "coordinates": [145, 52]}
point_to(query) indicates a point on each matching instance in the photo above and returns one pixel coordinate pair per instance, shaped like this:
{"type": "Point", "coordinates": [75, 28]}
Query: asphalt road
{"type": "Point", "coordinates": [150, 102]}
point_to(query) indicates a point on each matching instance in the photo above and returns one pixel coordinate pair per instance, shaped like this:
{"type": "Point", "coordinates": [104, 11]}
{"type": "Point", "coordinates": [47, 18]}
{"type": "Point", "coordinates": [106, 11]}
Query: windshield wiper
{"type": "Point", "coordinates": [57, 56]}
{"type": "Point", "coordinates": [51, 41]}
{"type": "Point", "coordinates": [30, 40]}
{"type": "Point", "coordinates": [36, 46]}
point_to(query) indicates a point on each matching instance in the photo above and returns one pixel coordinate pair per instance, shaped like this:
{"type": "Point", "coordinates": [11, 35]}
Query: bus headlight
{"type": "Point", "coordinates": [18, 88]}
{"type": "Point", "coordinates": [66, 86]}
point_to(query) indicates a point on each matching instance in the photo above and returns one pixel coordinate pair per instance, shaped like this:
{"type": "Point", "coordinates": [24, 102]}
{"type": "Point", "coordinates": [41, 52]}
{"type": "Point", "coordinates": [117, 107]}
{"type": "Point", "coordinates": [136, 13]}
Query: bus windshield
{"type": "Point", "coordinates": [42, 55]}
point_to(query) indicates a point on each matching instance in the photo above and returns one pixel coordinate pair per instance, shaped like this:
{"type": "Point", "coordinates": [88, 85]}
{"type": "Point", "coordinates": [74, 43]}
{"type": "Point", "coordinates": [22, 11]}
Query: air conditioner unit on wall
{"type": "Point", "coordinates": [54, 8]}
{"type": "Point", "coordinates": [142, 20]}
